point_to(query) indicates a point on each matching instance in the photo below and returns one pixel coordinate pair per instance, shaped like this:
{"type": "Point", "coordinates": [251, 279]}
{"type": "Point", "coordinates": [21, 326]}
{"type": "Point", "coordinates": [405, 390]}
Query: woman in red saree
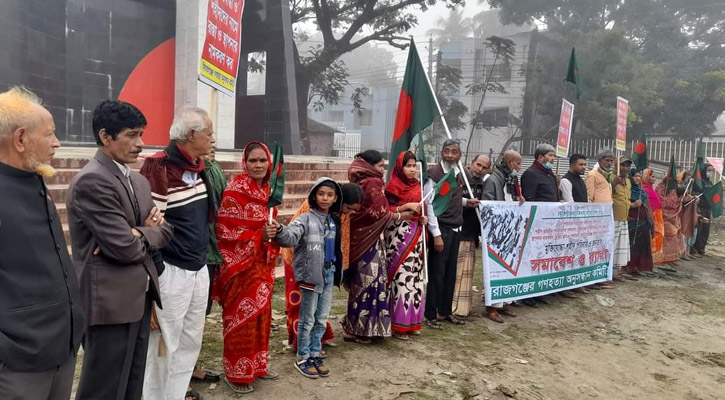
{"type": "Point", "coordinates": [244, 282]}
{"type": "Point", "coordinates": [672, 215]}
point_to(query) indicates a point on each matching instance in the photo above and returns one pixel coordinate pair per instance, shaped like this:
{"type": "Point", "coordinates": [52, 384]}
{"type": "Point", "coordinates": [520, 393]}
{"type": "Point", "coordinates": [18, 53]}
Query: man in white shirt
{"type": "Point", "coordinates": [572, 186]}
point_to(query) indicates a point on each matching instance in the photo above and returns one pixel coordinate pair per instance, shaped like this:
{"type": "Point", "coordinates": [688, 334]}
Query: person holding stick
{"type": "Point", "coordinates": [477, 172]}
{"type": "Point", "coordinates": [244, 283]}
{"type": "Point", "coordinates": [445, 231]}
{"type": "Point", "coordinates": [404, 244]}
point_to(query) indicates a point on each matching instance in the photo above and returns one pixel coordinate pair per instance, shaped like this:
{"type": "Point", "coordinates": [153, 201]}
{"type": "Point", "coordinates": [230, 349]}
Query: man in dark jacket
{"type": "Point", "coordinates": [503, 185]}
{"type": "Point", "coordinates": [538, 183]}
{"type": "Point", "coordinates": [704, 214]}
{"type": "Point", "coordinates": [572, 186]}
{"type": "Point", "coordinates": [41, 323]}
{"type": "Point", "coordinates": [114, 228]}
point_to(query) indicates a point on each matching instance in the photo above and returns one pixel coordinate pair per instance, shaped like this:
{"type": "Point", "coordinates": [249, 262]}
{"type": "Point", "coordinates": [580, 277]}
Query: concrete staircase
{"type": "Point", "coordinates": [299, 179]}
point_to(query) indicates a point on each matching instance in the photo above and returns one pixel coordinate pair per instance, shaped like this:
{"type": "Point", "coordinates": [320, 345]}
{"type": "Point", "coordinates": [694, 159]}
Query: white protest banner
{"type": "Point", "coordinates": [565, 121]}
{"type": "Point", "coordinates": [535, 249]}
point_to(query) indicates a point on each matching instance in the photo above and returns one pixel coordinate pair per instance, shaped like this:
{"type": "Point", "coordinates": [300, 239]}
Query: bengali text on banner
{"type": "Point", "coordinates": [536, 249]}
{"type": "Point", "coordinates": [220, 54]}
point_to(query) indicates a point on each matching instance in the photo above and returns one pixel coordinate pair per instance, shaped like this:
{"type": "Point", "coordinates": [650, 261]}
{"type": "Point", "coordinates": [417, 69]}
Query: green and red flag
{"type": "Point", "coordinates": [698, 170]}
{"type": "Point", "coordinates": [276, 180]}
{"type": "Point", "coordinates": [639, 153]}
{"type": "Point", "coordinates": [443, 191]}
{"type": "Point", "coordinates": [671, 176]}
{"type": "Point", "coordinates": [572, 73]}
{"type": "Point", "coordinates": [416, 109]}
{"type": "Point", "coordinates": [713, 195]}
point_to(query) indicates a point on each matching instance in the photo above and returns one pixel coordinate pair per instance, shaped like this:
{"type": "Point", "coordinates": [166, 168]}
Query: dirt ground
{"type": "Point", "coordinates": [663, 339]}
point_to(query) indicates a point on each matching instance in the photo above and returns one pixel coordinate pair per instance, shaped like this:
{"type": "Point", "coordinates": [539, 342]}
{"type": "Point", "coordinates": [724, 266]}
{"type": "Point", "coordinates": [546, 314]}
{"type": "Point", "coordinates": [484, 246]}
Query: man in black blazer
{"type": "Point", "coordinates": [41, 322]}
{"type": "Point", "coordinates": [114, 228]}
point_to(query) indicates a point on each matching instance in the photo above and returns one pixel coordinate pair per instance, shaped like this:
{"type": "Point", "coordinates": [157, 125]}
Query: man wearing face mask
{"type": "Point", "coordinates": [503, 185]}
{"type": "Point", "coordinates": [538, 183]}
{"type": "Point", "coordinates": [445, 230]}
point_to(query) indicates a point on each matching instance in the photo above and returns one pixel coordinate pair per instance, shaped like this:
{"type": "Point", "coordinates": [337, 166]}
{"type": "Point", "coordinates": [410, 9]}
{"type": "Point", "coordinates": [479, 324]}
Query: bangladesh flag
{"type": "Point", "coordinates": [276, 181]}
{"type": "Point", "coordinates": [671, 176]}
{"type": "Point", "coordinates": [416, 109]}
{"type": "Point", "coordinates": [639, 153]}
{"type": "Point", "coordinates": [443, 192]}
{"type": "Point", "coordinates": [698, 170]}
{"type": "Point", "coordinates": [572, 73]}
{"type": "Point", "coordinates": [713, 195]}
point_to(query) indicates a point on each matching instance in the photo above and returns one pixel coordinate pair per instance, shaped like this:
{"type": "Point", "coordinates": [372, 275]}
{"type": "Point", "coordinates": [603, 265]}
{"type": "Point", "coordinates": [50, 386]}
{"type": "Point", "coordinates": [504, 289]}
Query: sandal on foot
{"type": "Point", "coordinates": [454, 320]}
{"type": "Point", "coordinates": [401, 336]}
{"type": "Point", "coordinates": [329, 343]}
{"type": "Point", "coordinates": [492, 314]}
{"type": "Point", "coordinates": [271, 375]}
{"type": "Point", "coordinates": [432, 324]}
{"type": "Point", "coordinates": [507, 312]}
{"type": "Point", "coordinates": [240, 388]}
{"type": "Point", "coordinates": [192, 395]}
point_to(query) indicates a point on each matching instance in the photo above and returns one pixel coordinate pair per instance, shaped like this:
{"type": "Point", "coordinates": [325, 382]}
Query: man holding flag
{"type": "Point", "coordinates": [444, 225]}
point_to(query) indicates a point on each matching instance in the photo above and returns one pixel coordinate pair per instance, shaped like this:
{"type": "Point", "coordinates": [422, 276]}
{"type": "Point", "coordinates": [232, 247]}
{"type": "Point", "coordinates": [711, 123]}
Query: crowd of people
{"type": "Point", "coordinates": [151, 249]}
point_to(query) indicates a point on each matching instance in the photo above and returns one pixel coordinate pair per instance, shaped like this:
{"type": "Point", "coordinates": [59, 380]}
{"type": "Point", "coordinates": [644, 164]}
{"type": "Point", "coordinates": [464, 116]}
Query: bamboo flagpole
{"type": "Point", "coordinates": [423, 228]}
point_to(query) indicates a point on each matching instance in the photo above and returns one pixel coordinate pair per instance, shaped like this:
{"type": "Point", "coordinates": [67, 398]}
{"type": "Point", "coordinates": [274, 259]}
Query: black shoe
{"type": "Point", "coordinates": [530, 302]}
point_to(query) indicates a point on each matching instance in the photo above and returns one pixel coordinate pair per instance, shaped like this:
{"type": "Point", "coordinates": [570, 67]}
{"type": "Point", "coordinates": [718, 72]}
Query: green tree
{"type": "Point", "coordinates": [454, 28]}
{"type": "Point", "coordinates": [346, 26]}
{"type": "Point", "coordinates": [660, 54]}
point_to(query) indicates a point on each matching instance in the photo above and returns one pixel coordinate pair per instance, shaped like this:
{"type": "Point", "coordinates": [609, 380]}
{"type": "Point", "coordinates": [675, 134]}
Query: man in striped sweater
{"type": "Point", "coordinates": [182, 191]}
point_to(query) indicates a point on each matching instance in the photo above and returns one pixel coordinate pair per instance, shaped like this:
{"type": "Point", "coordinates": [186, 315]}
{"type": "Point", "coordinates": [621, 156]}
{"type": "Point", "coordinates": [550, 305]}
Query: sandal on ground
{"type": "Point", "coordinates": [432, 324]}
{"type": "Point", "coordinates": [271, 375]}
{"type": "Point", "coordinates": [507, 312]}
{"type": "Point", "coordinates": [401, 336]}
{"type": "Point", "coordinates": [239, 388]}
{"type": "Point", "coordinates": [492, 314]}
{"type": "Point", "coordinates": [209, 376]}
{"type": "Point", "coordinates": [453, 320]}
{"type": "Point", "coordinates": [192, 395]}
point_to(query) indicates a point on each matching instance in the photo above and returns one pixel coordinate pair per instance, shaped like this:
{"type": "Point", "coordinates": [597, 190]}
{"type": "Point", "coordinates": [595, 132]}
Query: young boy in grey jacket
{"type": "Point", "coordinates": [317, 266]}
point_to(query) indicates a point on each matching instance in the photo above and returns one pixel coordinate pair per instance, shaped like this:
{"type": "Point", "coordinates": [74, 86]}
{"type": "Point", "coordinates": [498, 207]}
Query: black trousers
{"type": "Point", "coordinates": [703, 234]}
{"type": "Point", "coordinates": [442, 275]}
{"type": "Point", "coordinates": [51, 384]}
{"type": "Point", "coordinates": [114, 360]}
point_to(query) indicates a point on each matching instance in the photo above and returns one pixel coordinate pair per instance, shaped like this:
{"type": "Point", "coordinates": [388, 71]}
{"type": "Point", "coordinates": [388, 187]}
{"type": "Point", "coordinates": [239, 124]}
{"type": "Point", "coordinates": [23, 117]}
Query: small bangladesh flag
{"type": "Point", "coordinates": [671, 176]}
{"type": "Point", "coordinates": [416, 109]}
{"type": "Point", "coordinates": [443, 191]}
{"type": "Point", "coordinates": [713, 195]}
{"type": "Point", "coordinates": [639, 153]}
{"type": "Point", "coordinates": [276, 180]}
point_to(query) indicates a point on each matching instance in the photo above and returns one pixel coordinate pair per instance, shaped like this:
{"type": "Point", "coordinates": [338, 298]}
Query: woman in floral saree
{"type": "Point", "coordinates": [404, 245]}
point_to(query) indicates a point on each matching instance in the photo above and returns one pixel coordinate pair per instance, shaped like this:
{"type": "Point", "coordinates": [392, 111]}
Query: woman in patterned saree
{"type": "Point", "coordinates": [244, 282]}
{"type": "Point", "coordinates": [404, 245]}
{"type": "Point", "coordinates": [368, 313]}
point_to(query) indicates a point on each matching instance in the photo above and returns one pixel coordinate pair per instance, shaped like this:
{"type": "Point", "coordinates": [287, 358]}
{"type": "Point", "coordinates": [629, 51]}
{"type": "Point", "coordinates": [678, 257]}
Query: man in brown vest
{"type": "Point", "coordinates": [445, 230]}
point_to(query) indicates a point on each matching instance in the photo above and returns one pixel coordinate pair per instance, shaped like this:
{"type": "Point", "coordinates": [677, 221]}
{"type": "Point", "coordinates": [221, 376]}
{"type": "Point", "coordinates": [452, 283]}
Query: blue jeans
{"type": "Point", "coordinates": [314, 312]}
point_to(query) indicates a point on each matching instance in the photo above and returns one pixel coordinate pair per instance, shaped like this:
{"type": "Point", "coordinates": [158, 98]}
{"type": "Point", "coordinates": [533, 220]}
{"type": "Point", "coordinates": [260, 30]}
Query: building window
{"type": "Point", "coordinates": [336, 116]}
{"type": "Point", "coordinates": [366, 118]}
{"type": "Point", "coordinates": [495, 118]}
{"type": "Point", "coordinates": [500, 72]}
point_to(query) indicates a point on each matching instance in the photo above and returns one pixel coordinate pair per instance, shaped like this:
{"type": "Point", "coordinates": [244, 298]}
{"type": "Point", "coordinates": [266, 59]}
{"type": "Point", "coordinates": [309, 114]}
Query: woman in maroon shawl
{"type": "Point", "coordinates": [404, 245]}
{"type": "Point", "coordinates": [244, 282]}
{"type": "Point", "coordinates": [368, 312]}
